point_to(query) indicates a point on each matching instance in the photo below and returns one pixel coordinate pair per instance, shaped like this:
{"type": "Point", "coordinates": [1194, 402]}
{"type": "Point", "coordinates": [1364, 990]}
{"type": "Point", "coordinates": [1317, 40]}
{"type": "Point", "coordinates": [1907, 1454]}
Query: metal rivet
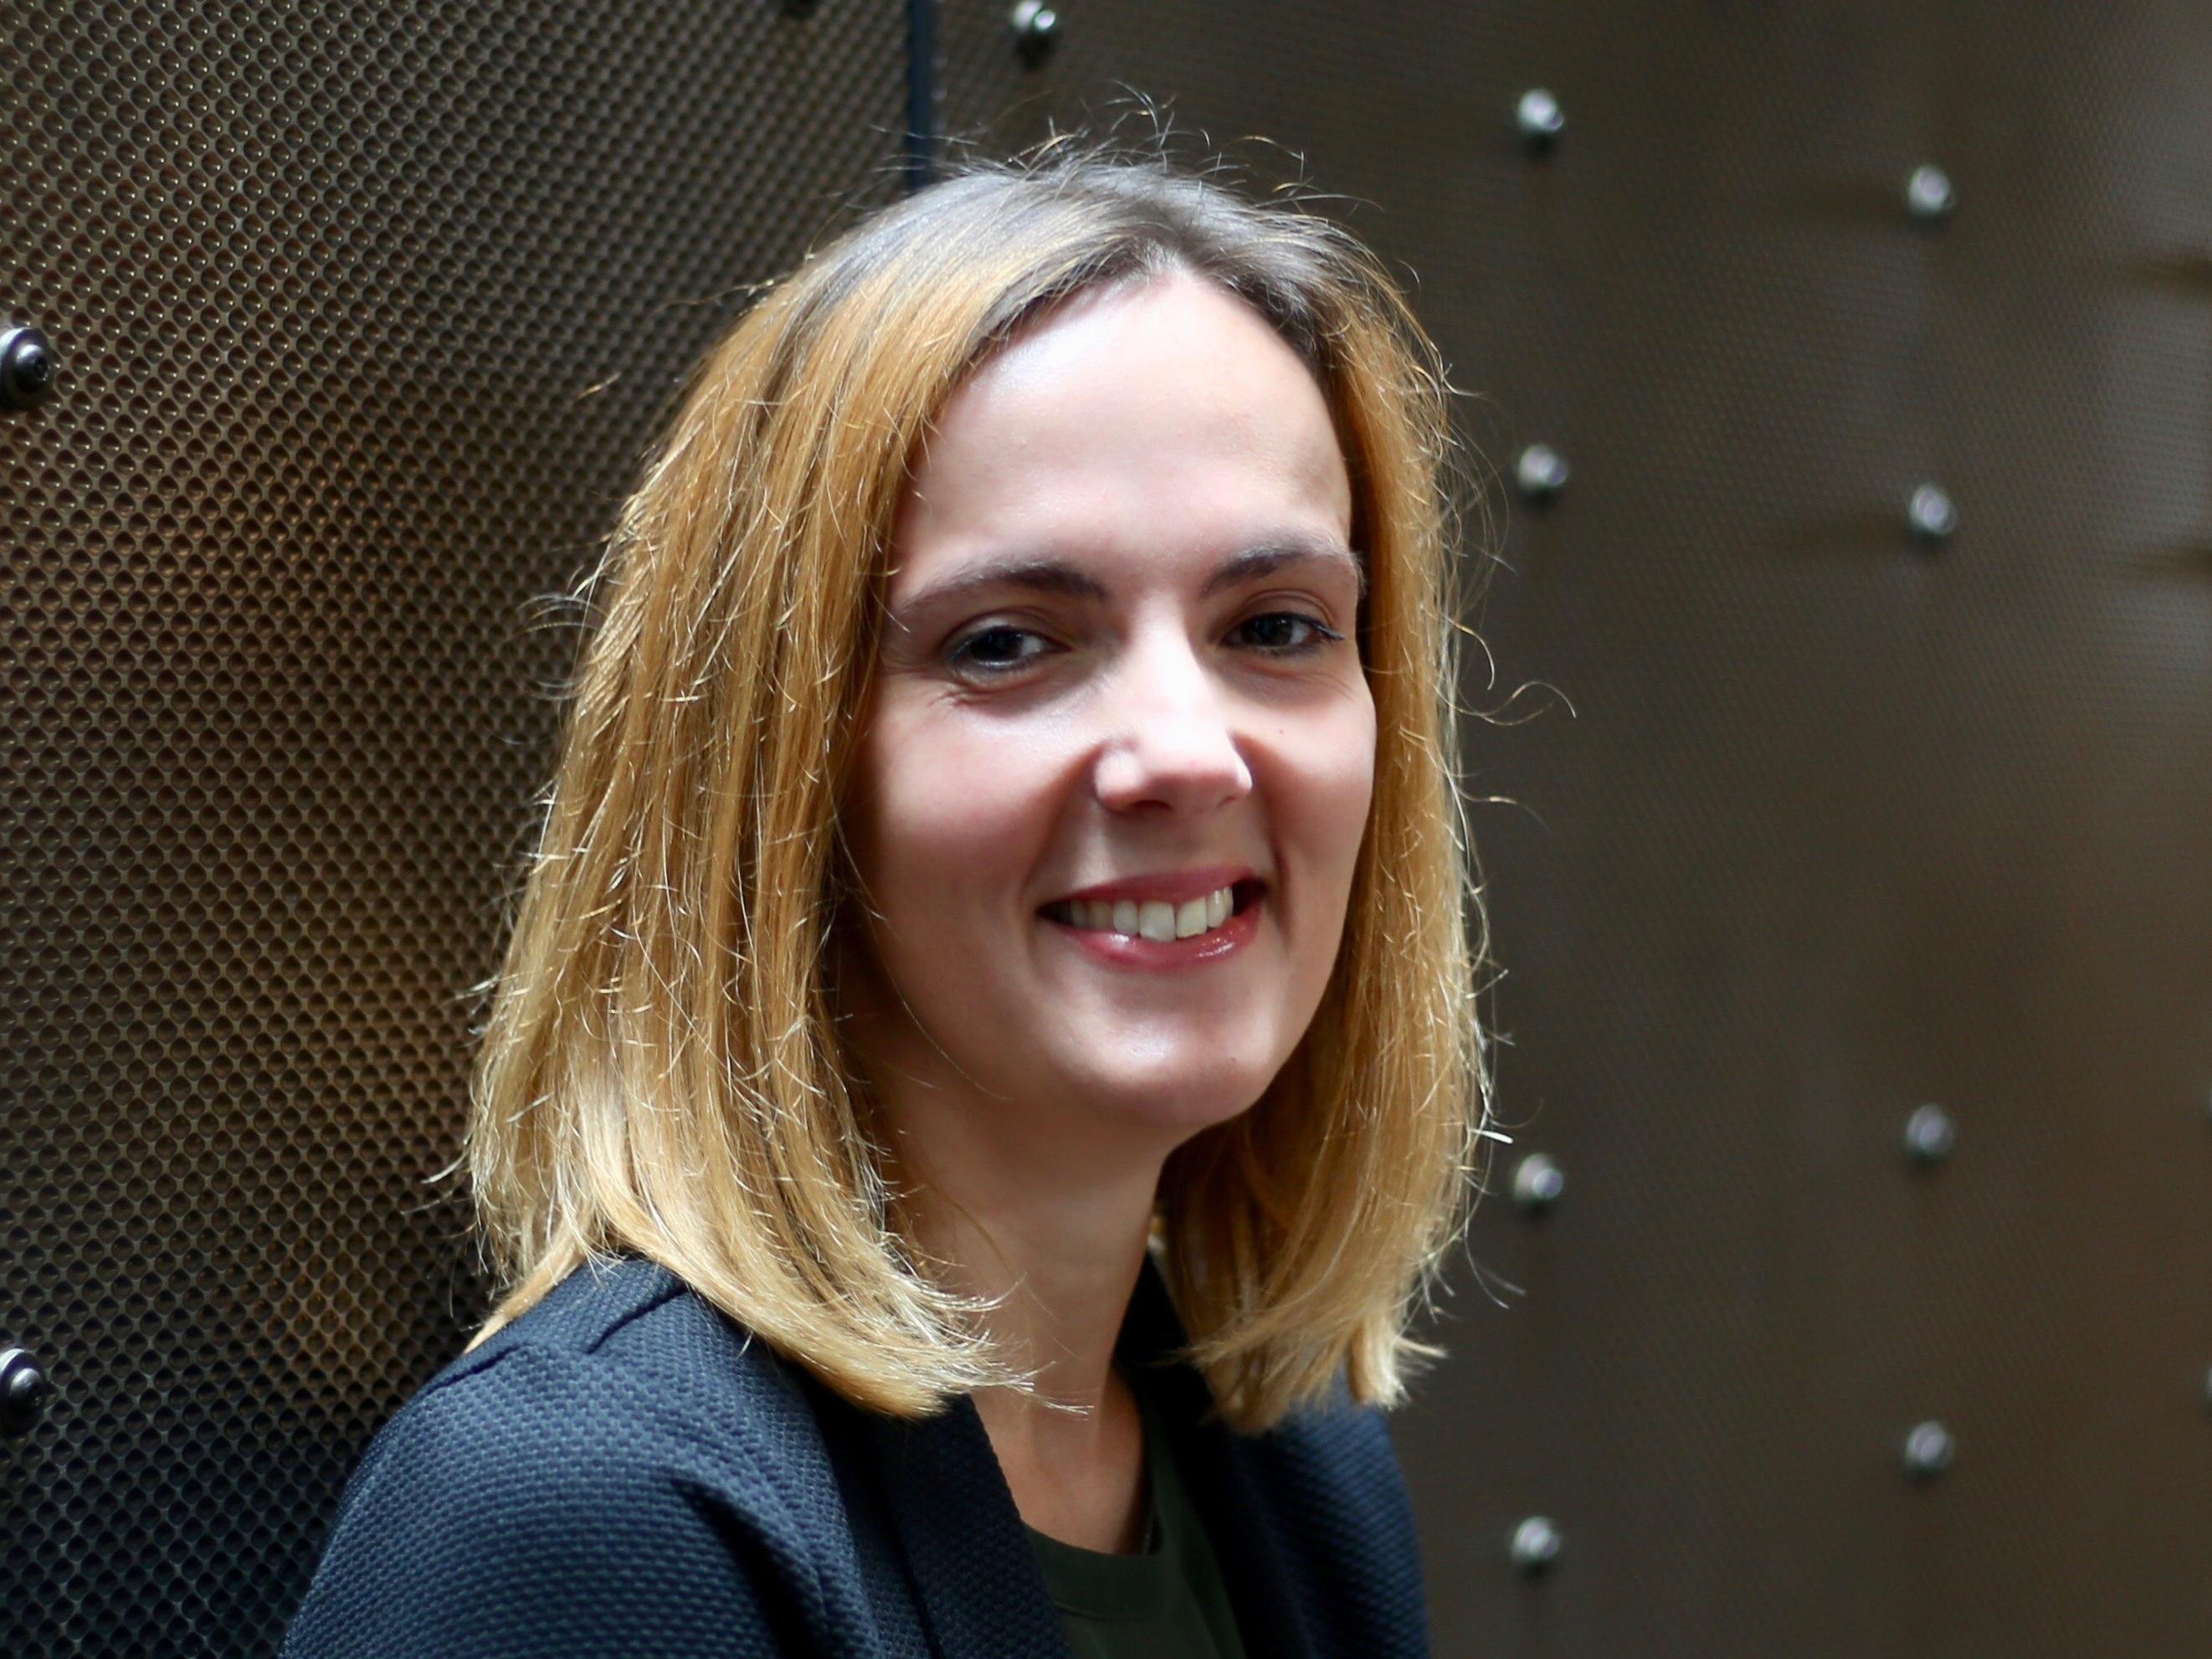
{"type": "Point", "coordinates": [1930, 1135]}
{"type": "Point", "coordinates": [1539, 119]}
{"type": "Point", "coordinates": [1535, 1545]}
{"type": "Point", "coordinates": [1929, 195]}
{"type": "Point", "coordinates": [1931, 513]}
{"type": "Point", "coordinates": [1541, 471]}
{"type": "Point", "coordinates": [1927, 1450]}
{"type": "Point", "coordinates": [27, 368]}
{"type": "Point", "coordinates": [1537, 1183]}
{"type": "Point", "coordinates": [23, 1390]}
{"type": "Point", "coordinates": [1036, 26]}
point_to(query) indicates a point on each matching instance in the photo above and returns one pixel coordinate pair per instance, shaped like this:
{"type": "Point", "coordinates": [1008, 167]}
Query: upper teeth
{"type": "Point", "coordinates": [1154, 919]}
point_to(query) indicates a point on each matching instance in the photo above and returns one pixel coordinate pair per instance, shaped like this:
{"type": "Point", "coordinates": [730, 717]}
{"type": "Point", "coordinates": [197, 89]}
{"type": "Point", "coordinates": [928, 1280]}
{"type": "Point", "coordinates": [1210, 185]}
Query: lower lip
{"type": "Point", "coordinates": [1131, 951]}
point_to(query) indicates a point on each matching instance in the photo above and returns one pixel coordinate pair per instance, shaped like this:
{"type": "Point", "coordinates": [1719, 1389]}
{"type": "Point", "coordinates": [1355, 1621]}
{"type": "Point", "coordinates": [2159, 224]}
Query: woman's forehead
{"type": "Point", "coordinates": [1170, 411]}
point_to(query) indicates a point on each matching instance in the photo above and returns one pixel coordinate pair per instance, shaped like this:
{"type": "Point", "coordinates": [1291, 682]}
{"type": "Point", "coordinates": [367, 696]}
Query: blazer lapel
{"type": "Point", "coordinates": [1220, 1484]}
{"type": "Point", "coordinates": [981, 1591]}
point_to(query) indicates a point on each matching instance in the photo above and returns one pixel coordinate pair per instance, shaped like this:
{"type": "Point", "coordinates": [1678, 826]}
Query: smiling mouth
{"type": "Point", "coordinates": [1156, 919]}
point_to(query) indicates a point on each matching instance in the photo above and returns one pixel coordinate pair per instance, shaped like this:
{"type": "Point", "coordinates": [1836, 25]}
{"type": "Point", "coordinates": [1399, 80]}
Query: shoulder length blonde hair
{"type": "Point", "coordinates": [660, 1071]}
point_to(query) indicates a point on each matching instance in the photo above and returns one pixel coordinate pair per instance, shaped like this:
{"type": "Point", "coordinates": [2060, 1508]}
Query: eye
{"type": "Point", "coordinates": [1285, 633]}
{"type": "Point", "coordinates": [997, 648]}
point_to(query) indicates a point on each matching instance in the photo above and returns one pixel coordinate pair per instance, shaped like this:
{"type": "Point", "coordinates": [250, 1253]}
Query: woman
{"type": "Point", "coordinates": [986, 1067]}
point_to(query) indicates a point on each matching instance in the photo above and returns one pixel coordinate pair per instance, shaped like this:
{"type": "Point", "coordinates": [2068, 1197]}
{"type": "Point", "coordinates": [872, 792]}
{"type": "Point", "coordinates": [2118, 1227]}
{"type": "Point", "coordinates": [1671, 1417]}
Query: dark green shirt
{"type": "Point", "coordinates": [1168, 1601]}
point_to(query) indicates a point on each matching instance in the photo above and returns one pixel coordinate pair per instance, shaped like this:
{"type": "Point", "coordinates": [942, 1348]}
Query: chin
{"type": "Point", "coordinates": [1175, 1094]}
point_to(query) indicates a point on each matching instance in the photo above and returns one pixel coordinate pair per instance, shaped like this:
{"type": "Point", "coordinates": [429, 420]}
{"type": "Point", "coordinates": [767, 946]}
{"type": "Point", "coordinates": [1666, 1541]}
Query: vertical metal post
{"type": "Point", "coordinates": [920, 93]}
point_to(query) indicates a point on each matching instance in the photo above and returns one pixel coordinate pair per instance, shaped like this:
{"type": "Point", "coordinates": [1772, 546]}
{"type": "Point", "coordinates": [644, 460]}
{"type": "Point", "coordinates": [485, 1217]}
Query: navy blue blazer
{"type": "Point", "coordinates": [621, 1470]}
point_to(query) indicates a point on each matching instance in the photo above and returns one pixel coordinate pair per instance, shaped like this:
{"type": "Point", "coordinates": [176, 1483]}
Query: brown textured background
{"type": "Point", "coordinates": [1808, 826]}
{"type": "Point", "coordinates": [364, 314]}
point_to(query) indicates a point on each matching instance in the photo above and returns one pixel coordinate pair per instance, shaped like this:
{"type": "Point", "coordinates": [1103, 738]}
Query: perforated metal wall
{"type": "Point", "coordinates": [1842, 821]}
{"type": "Point", "coordinates": [363, 312]}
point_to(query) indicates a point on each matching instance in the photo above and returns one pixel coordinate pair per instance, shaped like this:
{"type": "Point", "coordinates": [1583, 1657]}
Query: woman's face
{"type": "Point", "coordinates": [1119, 692]}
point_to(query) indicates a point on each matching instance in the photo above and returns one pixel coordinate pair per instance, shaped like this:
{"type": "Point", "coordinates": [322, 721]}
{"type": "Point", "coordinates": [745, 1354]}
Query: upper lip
{"type": "Point", "coordinates": [1173, 886]}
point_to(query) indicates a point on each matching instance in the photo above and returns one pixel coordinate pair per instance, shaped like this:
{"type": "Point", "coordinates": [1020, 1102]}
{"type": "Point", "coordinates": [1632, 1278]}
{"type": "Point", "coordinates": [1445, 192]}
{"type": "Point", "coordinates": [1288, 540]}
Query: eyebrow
{"type": "Point", "coordinates": [1041, 574]}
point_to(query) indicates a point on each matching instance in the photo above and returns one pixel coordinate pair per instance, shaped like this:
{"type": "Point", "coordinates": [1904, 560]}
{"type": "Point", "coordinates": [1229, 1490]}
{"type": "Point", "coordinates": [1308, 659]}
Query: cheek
{"type": "Point", "coordinates": [1331, 786]}
{"type": "Point", "coordinates": [942, 823]}
{"type": "Point", "coordinates": [1339, 789]}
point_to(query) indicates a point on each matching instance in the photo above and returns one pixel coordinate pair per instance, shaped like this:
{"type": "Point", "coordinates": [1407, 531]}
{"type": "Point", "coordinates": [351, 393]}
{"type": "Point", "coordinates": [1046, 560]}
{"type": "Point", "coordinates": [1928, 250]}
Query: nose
{"type": "Point", "coordinates": [1170, 732]}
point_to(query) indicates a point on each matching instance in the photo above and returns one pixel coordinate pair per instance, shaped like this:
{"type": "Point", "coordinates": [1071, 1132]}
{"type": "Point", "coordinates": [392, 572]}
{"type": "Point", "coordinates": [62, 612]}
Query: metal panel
{"type": "Point", "coordinates": [364, 314]}
{"type": "Point", "coordinates": [1842, 821]}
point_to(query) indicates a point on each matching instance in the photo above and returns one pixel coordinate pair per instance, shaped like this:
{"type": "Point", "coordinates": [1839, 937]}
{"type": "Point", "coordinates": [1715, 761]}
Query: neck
{"type": "Point", "coordinates": [1006, 1210]}
{"type": "Point", "coordinates": [1041, 1208]}
{"type": "Point", "coordinates": [1046, 1213]}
